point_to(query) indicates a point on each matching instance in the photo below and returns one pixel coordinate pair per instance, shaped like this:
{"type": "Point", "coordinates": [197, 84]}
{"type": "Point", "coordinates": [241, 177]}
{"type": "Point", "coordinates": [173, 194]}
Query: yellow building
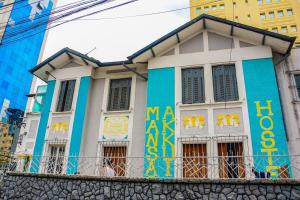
{"type": "Point", "coordinates": [280, 16]}
{"type": "Point", "coordinates": [5, 142]}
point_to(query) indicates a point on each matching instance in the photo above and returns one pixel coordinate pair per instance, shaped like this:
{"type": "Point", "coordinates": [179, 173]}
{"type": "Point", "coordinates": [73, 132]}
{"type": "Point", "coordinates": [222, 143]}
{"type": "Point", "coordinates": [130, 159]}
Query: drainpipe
{"type": "Point", "coordinates": [280, 96]}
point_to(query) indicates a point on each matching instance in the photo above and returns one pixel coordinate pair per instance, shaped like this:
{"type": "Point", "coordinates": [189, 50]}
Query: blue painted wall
{"type": "Point", "coordinates": [78, 124]}
{"type": "Point", "coordinates": [39, 143]}
{"type": "Point", "coordinates": [18, 57]}
{"type": "Point", "coordinates": [265, 114]}
{"type": "Point", "coordinates": [160, 124]}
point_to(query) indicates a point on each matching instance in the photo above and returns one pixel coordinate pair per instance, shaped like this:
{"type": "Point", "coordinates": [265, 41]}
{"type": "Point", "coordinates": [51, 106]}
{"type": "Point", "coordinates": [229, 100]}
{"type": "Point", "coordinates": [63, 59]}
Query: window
{"type": "Point", "coordinates": [275, 30]}
{"type": "Point", "coordinates": [297, 81]}
{"type": "Point", "coordinates": [236, 19]}
{"type": "Point", "coordinates": [39, 98]}
{"type": "Point", "coordinates": [280, 13]}
{"type": "Point", "coordinates": [194, 163]}
{"type": "Point", "coordinates": [268, 1]}
{"type": "Point", "coordinates": [214, 7]}
{"type": "Point", "coordinates": [259, 2]}
{"type": "Point", "coordinates": [284, 29]}
{"type": "Point", "coordinates": [262, 16]}
{"type": "Point", "coordinates": [119, 94]}
{"type": "Point", "coordinates": [56, 159]}
{"type": "Point", "coordinates": [249, 17]}
{"type": "Point", "coordinates": [193, 86]}
{"type": "Point", "coordinates": [271, 15]}
{"type": "Point", "coordinates": [206, 9]}
{"type": "Point", "coordinates": [198, 10]}
{"type": "Point", "coordinates": [231, 161]}
{"type": "Point", "coordinates": [222, 6]}
{"type": "Point", "coordinates": [225, 83]}
{"type": "Point", "coordinates": [65, 96]}
{"type": "Point", "coordinates": [289, 12]}
{"type": "Point", "coordinates": [293, 28]}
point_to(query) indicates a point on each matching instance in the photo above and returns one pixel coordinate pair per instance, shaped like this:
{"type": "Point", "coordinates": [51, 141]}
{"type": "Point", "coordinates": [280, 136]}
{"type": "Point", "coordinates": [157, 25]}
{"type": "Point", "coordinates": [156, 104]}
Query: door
{"type": "Point", "coordinates": [116, 157]}
{"type": "Point", "coordinates": [194, 161]}
{"type": "Point", "coordinates": [231, 161]}
{"type": "Point", "coordinates": [56, 159]}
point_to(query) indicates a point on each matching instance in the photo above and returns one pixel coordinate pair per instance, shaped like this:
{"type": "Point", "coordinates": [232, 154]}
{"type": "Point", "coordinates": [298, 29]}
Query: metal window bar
{"type": "Point", "coordinates": [113, 158]}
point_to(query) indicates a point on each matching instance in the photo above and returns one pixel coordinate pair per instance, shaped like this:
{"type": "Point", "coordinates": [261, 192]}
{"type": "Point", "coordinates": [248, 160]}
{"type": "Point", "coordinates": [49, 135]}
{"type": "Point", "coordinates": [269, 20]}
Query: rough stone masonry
{"type": "Point", "coordinates": [30, 186]}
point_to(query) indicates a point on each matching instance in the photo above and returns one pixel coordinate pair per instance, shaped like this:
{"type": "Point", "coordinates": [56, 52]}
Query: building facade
{"type": "Point", "coordinates": [21, 47]}
{"type": "Point", "coordinates": [22, 36]}
{"type": "Point", "coordinates": [192, 104]}
{"type": "Point", "coordinates": [280, 16]}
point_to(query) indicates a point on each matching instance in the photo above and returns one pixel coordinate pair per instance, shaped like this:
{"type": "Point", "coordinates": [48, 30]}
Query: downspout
{"type": "Point", "coordinates": [280, 96]}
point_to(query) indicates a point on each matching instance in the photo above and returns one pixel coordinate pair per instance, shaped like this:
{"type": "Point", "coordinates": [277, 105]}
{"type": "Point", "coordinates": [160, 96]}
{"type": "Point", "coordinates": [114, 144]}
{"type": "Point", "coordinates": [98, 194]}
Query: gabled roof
{"type": "Point", "coordinates": [279, 43]}
{"type": "Point", "coordinates": [59, 59]}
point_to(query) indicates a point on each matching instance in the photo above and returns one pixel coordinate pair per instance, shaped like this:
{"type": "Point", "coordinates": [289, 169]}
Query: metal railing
{"type": "Point", "coordinates": [187, 167]}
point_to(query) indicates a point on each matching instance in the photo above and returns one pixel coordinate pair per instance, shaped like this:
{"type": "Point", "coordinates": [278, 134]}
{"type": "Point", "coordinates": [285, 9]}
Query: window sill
{"type": "Point", "coordinates": [118, 112]}
{"type": "Point", "coordinates": [296, 101]}
{"type": "Point", "coordinates": [228, 103]}
{"type": "Point", "coordinates": [62, 113]}
{"type": "Point", "coordinates": [34, 113]}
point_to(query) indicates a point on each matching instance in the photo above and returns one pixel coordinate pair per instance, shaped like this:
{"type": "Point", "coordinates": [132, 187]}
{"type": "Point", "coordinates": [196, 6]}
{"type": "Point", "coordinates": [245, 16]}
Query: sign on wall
{"type": "Point", "coordinates": [227, 121]}
{"type": "Point", "coordinates": [59, 127]}
{"type": "Point", "coordinates": [160, 124]}
{"type": "Point", "coordinates": [115, 128]}
{"type": "Point", "coordinates": [266, 118]}
{"type": "Point", "coordinates": [194, 122]}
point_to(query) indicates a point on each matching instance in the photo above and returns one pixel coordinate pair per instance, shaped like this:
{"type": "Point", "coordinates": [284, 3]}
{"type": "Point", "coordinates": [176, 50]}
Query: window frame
{"type": "Point", "coordinates": [236, 85]}
{"type": "Point", "coordinates": [297, 87]}
{"type": "Point", "coordinates": [280, 11]}
{"type": "Point", "coordinates": [108, 109]}
{"type": "Point", "coordinates": [284, 29]}
{"type": "Point", "coordinates": [289, 12]}
{"type": "Point", "coordinates": [271, 15]}
{"type": "Point", "coordinates": [293, 28]}
{"type": "Point", "coordinates": [203, 86]}
{"type": "Point", "coordinates": [58, 95]}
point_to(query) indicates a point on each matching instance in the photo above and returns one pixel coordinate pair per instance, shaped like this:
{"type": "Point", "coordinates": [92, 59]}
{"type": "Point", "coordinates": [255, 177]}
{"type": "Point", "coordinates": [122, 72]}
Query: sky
{"type": "Point", "coordinates": [115, 39]}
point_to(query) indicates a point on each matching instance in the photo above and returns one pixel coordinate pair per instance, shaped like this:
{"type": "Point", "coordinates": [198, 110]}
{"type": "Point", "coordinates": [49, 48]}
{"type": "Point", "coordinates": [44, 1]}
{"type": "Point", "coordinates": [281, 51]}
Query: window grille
{"type": "Point", "coordinates": [56, 159]}
{"type": "Point", "coordinates": [225, 83]}
{"type": "Point", "coordinates": [231, 152]}
{"type": "Point", "coordinates": [65, 96]}
{"type": "Point", "coordinates": [119, 94]}
{"type": "Point", "coordinates": [193, 86]}
{"type": "Point", "coordinates": [114, 154]}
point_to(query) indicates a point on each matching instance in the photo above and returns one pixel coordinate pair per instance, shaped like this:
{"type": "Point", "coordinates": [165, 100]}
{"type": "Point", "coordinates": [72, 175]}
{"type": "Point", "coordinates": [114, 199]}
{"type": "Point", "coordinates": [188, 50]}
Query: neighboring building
{"type": "Point", "coordinates": [288, 72]}
{"type": "Point", "coordinates": [200, 102]}
{"type": "Point", "coordinates": [5, 142]}
{"type": "Point", "coordinates": [16, 58]}
{"type": "Point", "coordinates": [21, 47]}
{"type": "Point", "coordinates": [280, 16]}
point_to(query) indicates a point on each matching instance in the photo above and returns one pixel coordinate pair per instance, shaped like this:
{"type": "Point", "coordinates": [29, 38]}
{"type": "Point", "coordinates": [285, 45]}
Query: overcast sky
{"type": "Point", "coordinates": [115, 39]}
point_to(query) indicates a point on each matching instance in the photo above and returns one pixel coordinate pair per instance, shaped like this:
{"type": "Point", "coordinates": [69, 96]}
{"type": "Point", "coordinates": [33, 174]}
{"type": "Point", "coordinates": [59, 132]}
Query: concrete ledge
{"type": "Point", "coordinates": [152, 180]}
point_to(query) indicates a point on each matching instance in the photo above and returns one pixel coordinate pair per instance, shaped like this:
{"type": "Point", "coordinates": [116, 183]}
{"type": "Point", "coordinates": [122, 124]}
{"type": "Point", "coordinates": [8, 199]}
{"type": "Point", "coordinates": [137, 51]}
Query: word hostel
{"type": "Point", "coordinates": [200, 102]}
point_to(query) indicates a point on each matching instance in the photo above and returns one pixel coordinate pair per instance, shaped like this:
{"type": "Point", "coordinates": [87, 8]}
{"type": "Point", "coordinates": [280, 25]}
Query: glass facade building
{"type": "Point", "coordinates": [20, 49]}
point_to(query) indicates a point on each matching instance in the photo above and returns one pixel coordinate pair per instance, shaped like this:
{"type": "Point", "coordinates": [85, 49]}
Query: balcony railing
{"type": "Point", "coordinates": [192, 167]}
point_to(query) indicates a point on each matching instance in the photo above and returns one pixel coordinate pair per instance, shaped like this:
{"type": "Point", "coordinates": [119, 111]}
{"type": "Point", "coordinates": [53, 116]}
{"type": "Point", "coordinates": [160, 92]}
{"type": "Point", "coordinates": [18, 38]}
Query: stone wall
{"type": "Point", "coordinates": [28, 186]}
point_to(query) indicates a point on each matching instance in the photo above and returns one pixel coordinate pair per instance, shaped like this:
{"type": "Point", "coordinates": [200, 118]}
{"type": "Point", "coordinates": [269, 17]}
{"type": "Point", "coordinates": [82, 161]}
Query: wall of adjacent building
{"type": "Point", "coordinates": [290, 99]}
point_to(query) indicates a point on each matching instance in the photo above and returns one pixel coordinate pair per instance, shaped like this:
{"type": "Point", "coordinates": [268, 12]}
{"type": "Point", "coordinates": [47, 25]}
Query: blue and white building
{"type": "Point", "coordinates": [200, 102]}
